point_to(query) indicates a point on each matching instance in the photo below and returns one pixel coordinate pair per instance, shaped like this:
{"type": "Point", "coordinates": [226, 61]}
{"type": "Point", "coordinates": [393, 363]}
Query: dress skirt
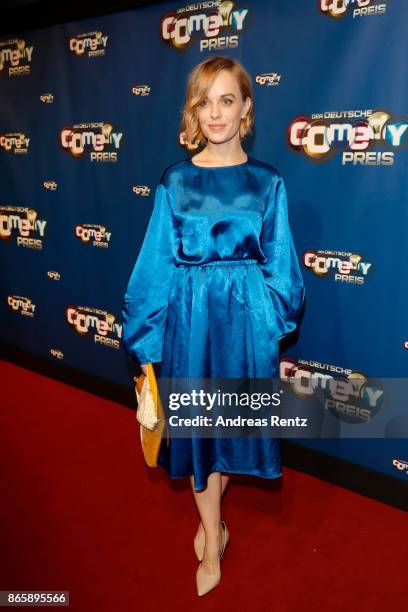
{"type": "Point", "coordinates": [220, 324]}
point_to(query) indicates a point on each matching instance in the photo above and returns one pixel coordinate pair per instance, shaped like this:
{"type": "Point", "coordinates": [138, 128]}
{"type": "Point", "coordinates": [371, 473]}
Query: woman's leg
{"type": "Point", "coordinates": [209, 507]}
{"type": "Point", "coordinates": [224, 482]}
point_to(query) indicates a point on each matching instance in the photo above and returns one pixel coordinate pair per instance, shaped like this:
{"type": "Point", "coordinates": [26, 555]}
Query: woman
{"type": "Point", "coordinates": [215, 287]}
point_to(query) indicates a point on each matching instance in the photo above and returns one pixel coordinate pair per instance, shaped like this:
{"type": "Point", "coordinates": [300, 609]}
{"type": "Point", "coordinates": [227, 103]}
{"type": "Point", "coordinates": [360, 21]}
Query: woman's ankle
{"type": "Point", "coordinates": [214, 538]}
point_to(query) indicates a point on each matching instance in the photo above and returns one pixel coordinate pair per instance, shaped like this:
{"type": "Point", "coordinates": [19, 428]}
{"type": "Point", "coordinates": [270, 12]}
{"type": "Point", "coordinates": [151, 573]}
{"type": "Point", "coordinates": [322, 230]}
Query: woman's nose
{"type": "Point", "coordinates": [215, 112]}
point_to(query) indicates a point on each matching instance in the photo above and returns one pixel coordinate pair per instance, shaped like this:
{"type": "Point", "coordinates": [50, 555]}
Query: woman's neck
{"type": "Point", "coordinates": [214, 157]}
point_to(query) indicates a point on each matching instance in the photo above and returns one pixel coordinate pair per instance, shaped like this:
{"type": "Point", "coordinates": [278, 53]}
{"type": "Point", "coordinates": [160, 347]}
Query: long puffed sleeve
{"type": "Point", "coordinates": [145, 303]}
{"type": "Point", "coordinates": [281, 270]}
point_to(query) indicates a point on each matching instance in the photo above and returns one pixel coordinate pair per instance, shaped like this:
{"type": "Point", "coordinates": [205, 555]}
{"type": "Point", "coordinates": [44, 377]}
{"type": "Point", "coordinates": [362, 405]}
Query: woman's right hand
{"type": "Point", "coordinates": [144, 368]}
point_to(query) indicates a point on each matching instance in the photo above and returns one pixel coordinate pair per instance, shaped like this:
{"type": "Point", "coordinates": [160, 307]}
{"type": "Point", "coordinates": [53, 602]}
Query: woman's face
{"type": "Point", "coordinates": [220, 113]}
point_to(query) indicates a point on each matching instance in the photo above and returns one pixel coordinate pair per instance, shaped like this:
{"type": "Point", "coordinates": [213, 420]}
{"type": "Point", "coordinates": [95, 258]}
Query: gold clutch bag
{"type": "Point", "coordinates": [150, 415]}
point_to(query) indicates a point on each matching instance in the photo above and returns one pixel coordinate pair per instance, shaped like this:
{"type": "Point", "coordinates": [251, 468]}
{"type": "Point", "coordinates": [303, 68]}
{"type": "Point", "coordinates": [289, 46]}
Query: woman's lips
{"type": "Point", "coordinates": [216, 127]}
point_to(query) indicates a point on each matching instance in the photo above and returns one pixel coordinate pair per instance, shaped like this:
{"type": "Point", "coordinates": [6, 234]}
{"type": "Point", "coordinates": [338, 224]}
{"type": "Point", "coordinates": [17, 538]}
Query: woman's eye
{"type": "Point", "coordinates": [227, 102]}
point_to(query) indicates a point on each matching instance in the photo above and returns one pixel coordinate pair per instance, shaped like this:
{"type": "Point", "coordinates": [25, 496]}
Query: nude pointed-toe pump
{"type": "Point", "coordinates": [199, 544]}
{"type": "Point", "coordinates": [206, 582]}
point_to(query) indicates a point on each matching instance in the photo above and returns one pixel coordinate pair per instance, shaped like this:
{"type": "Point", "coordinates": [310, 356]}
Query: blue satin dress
{"type": "Point", "coordinates": [216, 285]}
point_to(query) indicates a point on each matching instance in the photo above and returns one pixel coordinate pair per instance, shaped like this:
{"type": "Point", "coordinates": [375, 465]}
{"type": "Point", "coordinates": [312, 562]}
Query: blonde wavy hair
{"type": "Point", "coordinates": [199, 81]}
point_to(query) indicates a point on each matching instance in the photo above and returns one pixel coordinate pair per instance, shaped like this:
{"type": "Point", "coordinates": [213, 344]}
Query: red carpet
{"type": "Point", "coordinates": [76, 501]}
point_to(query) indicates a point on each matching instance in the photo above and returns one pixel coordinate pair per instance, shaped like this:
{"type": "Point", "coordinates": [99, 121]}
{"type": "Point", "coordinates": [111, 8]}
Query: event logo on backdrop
{"type": "Point", "coordinates": [349, 395]}
{"type": "Point", "coordinates": [94, 234]}
{"type": "Point", "coordinates": [401, 465]}
{"type": "Point", "coordinates": [89, 44]}
{"type": "Point", "coordinates": [96, 323]}
{"type": "Point", "coordinates": [99, 138]}
{"type": "Point", "coordinates": [54, 275]}
{"type": "Point", "coordinates": [21, 304]}
{"type": "Point", "coordinates": [356, 8]}
{"type": "Point", "coordinates": [47, 98]}
{"type": "Point", "coordinates": [141, 90]}
{"type": "Point", "coordinates": [50, 185]}
{"type": "Point", "coordinates": [143, 190]}
{"type": "Point", "coordinates": [23, 223]}
{"type": "Point", "coordinates": [268, 79]}
{"type": "Point", "coordinates": [216, 24]}
{"type": "Point", "coordinates": [15, 142]}
{"type": "Point", "coordinates": [341, 266]}
{"type": "Point", "coordinates": [15, 57]}
{"type": "Point", "coordinates": [357, 135]}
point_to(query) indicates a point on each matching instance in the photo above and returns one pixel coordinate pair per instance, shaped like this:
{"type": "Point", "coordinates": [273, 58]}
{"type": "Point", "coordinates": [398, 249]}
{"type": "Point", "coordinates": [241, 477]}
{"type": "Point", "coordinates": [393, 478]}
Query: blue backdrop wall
{"type": "Point", "coordinates": [89, 116]}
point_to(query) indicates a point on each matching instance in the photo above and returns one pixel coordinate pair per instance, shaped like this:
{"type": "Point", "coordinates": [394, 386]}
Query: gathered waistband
{"type": "Point", "coordinates": [221, 262]}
